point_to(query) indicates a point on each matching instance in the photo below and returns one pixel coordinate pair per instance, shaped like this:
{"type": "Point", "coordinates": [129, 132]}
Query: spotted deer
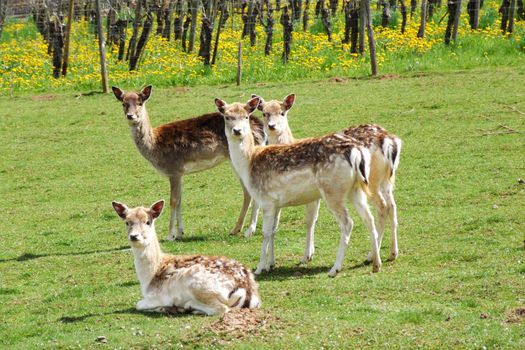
{"type": "Point", "coordinates": [385, 150]}
{"type": "Point", "coordinates": [334, 167]}
{"type": "Point", "coordinates": [182, 147]}
{"type": "Point", "coordinates": [201, 284]}
{"type": "Point", "coordinates": [278, 132]}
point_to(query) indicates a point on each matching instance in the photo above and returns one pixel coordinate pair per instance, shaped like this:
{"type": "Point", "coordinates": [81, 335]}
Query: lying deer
{"type": "Point", "coordinates": [180, 148]}
{"type": "Point", "coordinates": [384, 148]}
{"type": "Point", "coordinates": [197, 283]}
{"type": "Point", "coordinates": [334, 167]}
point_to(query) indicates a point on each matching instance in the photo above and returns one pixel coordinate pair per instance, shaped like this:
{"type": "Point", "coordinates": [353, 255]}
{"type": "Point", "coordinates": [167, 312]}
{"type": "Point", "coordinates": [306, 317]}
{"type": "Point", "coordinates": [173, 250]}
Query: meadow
{"type": "Point", "coordinates": [67, 276]}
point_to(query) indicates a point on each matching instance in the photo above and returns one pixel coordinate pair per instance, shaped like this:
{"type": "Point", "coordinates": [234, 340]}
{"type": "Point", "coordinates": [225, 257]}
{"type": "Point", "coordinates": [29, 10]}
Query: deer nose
{"type": "Point", "coordinates": [129, 116]}
{"type": "Point", "coordinates": [236, 131]}
{"type": "Point", "coordinates": [134, 237]}
{"type": "Point", "coordinates": [271, 126]}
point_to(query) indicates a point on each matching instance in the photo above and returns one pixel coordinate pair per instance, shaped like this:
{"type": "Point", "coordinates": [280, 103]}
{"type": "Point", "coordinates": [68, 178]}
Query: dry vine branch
{"type": "Point", "coordinates": [515, 109]}
{"type": "Point", "coordinates": [508, 130]}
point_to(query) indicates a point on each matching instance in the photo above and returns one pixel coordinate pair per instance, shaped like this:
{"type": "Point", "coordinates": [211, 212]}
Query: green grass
{"type": "Point", "coordinates": [66, 276]}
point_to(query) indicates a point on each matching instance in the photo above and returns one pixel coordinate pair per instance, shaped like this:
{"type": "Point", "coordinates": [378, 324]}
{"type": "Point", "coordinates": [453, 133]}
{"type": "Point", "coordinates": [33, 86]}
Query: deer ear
{"type": "Point", "coordinates": [261, 102]}
{"type": "Point", "coordinates": [156, 208]}
{"type": "Point", "coordinates": [220, 104]}
{"type": "Point", "coordinates": [252, 104]}
{"type": "Point", "coordinates": [146, 93]}
{"type": "Point", "coordinates": [120, 208]}
{"type": "Point", "coordinates": [119, 94]}
{"type": "Point", "coordinates": [289, 101]}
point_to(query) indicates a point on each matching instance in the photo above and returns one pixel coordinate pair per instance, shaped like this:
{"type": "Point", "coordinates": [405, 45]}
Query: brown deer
{"type": "Point", "coordinates": [334, 167]}
{"type": "Point", "coordinates": [278, 132]}
{"type": "Point", "coordinates": [203, 284]}
{"type": "Point", "coordinates": [182, 147]}
{"type": "Point", "coordinates": [384, 148]}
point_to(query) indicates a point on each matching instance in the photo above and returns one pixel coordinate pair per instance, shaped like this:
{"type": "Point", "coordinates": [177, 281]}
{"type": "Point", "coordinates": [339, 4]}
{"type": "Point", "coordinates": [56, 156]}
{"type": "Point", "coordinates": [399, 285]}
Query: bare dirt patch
{"type": "Point", "coordinates": [238, 325]}
{"type": "Point", "coordinates": [241, 321]}
{"type": "Point", "coordinates": [182, 89]}
{"type": "Point", "coordinates": [338, 80]}
{"type": "Point", "coordinates": [43, 97]}
{"type": "Point", "coordinates": [516, 315]}
{"type": "Point", "coordinates": [388, 76]}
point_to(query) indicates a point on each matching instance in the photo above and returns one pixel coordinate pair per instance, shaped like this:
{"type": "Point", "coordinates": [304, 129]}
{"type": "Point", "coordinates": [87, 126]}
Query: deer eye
{"type": "Point", "coordinates": [127, 223]}
{"type": "Point", "coordinates": [148, 222]}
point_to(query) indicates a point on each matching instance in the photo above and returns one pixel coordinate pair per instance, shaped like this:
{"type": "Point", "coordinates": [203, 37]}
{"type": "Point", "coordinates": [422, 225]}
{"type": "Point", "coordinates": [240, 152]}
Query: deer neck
{"type": "Point", "coordinates": [241, 152]}
{"type": "Point", "coordinates": [143, 135]}
{"type": "Point", "coordinates": [283, 138]}
{"type": "Point", "coordinates": [147, 261]}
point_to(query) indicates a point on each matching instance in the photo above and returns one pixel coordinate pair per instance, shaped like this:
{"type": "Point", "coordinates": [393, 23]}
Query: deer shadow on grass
{"type": "Point", "coordinates": [185, 239]}
{"type": "Point", "coordinates": [298, 271]}
{"type": "Point", "coordinates": [31, 256]}
{"type": "Point", "coordinates": [128, 311]}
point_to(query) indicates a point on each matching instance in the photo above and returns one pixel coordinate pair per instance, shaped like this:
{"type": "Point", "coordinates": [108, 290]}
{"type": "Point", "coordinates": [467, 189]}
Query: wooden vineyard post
{"type": "Point", "coordinates": [456, 20]}
{"type": "Point", "coordinates": [371, 42]}
{"type": "Point", "coordinates": [362, 18]}
{"type": "Point", "coordinates": [473, 9]}
{"type": "Point", "coordinates": [512, 11]}
{"type": "Point", "coordinates": [3, 10]}
{"type": "Point", "coordinates": [421, 31]}
{"type": "Point", "coordinates": [239, 64]}
{"type": "Point", "coordinates": [194, 12]}
{"type": "Point", "coordinates": [68, 37]}
{"type": "Point", "coordinates": [102, 49]}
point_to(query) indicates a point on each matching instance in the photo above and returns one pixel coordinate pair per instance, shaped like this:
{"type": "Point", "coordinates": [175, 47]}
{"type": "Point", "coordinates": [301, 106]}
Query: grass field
{"type": "Point", "coordinates": [67, 277]}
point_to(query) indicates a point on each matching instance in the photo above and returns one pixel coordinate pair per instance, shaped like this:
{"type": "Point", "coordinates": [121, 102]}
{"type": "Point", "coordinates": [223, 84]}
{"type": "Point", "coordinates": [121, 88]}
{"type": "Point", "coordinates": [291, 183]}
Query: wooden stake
{"type": "Point", "coordinates": [239, 64]}
{"type": "Point", "coordinates": [477, 5]}
{"type": "Point", "coordinates": [512, 11]}
{"type": "Point", "coordinates": [456, 21]}
{"type": "Point", "coordinates": [423, 24]}
{"type": "Point", "coordinates": [362, 19]}
{"type": "Point", "coordinates": [371, 42]}
{"type": "Point", "coordinates": [68, 37]}
{"type": "Point", "coordinates": [102, 49]}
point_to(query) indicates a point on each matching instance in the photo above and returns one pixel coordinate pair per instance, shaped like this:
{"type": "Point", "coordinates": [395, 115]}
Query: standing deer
{"type": "Point", "coordinates": [334, 167]}
{"type": "Point", "coordinates": [182, 147]}
{"type": "Point", "coordinates": [202, 284]}
{"type": "Point", "coordinates": [385, 149]}
{"type": "Point", "coordinates": [278, 133]}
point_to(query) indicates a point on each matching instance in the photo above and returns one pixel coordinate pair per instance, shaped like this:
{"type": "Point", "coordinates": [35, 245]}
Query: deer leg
{"type": "Point", "coordinates": [242, 215]}
{"type": "Point", "coordinates": [253, 220]}
{"type": "Point", "coordinates": [361, 205]}
{"type": "Point", "coordinates": [392, 211]}
{"type": "Point", "coordinates": [382, 214]}
{"type": "Point", "coordinates": [149, 305]}
{"type": "Point", "coordinates": [268, 224]}
{"type": "Point", "coordinates": [335, 202]}
{"type": "Point", "coordinates": [176, 227]}
{"type": "Point", "coordinates": [312, 212]}
{"type": "Point", "coordinates": [271, 262]}
{"type": "Point", "coordinates": [208, 302]}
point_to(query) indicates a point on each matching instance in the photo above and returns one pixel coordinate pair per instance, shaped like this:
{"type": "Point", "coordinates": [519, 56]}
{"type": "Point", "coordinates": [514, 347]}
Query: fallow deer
{"type": "Point", "coordinates": [278, 132]}
{"type": "Point", "coordinates": [334, 167]}
{"type": "Point", "coordinates": [384, 148]}
{"type": "Point", "coordinates": [197, 283]}
{"type": "Point", "coordinates": [182, 147]}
